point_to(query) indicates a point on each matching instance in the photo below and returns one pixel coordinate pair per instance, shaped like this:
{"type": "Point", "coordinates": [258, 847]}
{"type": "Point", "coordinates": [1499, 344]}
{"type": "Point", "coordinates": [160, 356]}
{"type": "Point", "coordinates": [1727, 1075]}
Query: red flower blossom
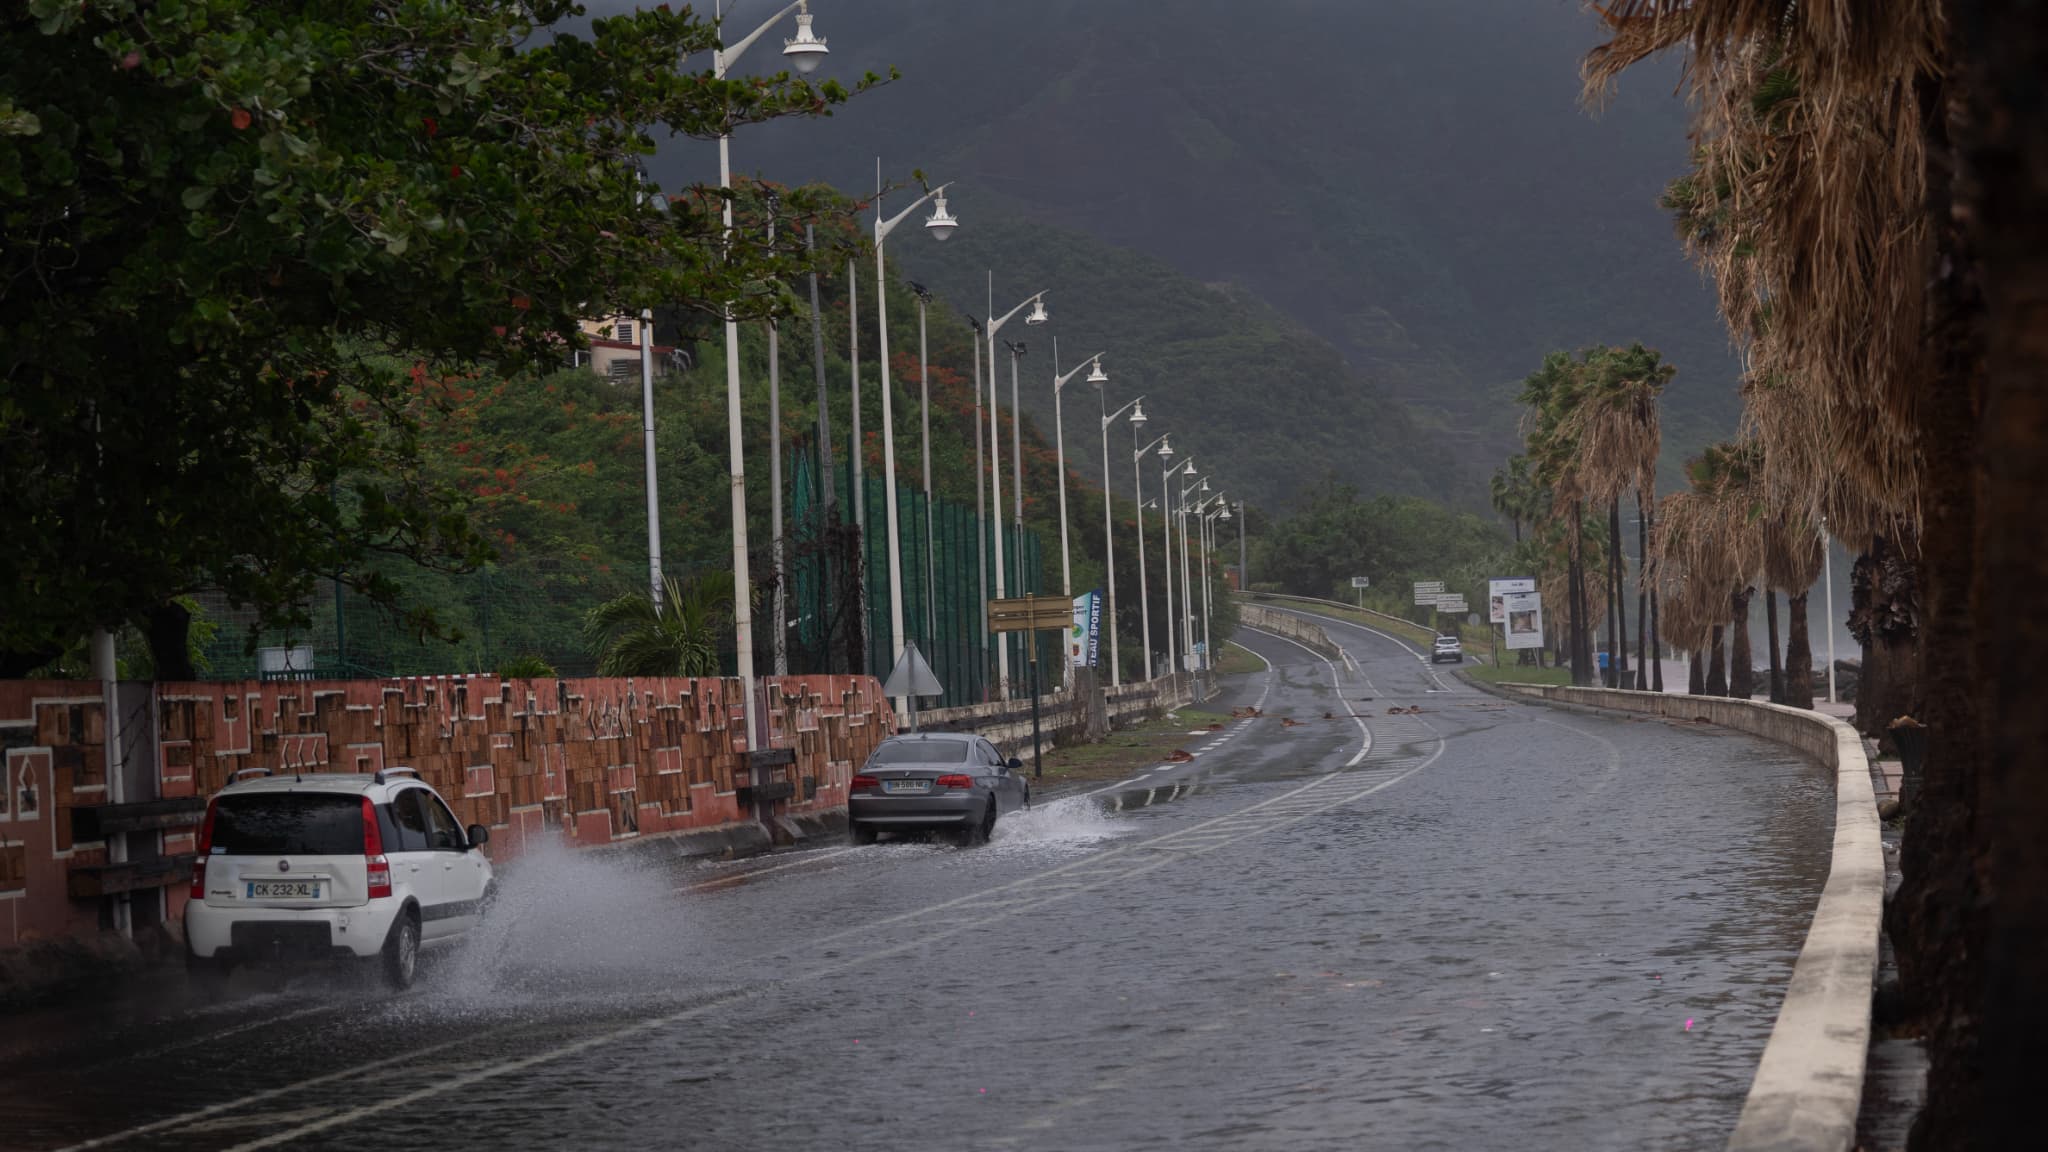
{"type": "Point", "coordinates": [132, 60]}
{"type": "Point", "coordinates": [455, 171]}
{"type": "Point", "coordinates": [431, 125]}
{"type": "Point", "coordinates": [240, 118]}
{"type": "Point", "coordinates": [522, 303]}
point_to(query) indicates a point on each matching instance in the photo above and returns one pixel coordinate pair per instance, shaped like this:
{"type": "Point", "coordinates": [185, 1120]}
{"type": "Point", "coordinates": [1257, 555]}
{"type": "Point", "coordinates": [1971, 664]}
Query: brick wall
{"type": "Point", "coordinates": [593, 761]}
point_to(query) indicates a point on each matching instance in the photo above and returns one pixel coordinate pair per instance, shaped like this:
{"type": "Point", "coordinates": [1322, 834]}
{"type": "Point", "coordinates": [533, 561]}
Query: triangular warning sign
{"type": "Point", "coordinates": [912, 676]}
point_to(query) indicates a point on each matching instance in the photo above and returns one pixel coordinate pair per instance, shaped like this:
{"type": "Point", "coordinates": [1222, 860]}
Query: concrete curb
{"type": "Point", "coordinates": [1809, 1083]}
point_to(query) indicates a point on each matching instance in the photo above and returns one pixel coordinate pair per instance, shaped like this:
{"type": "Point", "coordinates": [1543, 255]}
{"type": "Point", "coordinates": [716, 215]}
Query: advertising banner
{"type": "Point", "coordinates": [1522, 612]}
{"type": "Point", "coordinates": [1497, 591]}
{"type": "Point", "coordinates": [1084, 638]}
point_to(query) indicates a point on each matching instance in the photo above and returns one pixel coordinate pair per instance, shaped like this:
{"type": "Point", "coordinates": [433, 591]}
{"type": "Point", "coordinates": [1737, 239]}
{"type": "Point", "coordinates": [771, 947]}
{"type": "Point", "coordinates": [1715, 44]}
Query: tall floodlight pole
{"type": "Point", "coordinates": [1138, 455]}
{"type": "Point", "coordinates": [779, 618]}
{"type": "Point", "coordinates": [1209, 546]}
{"type": "Point", "coordinates": [1137, 410]}
{"type": "Point", "coordinates": [804, 53]}
{"type": "Point", "coordinates": [1059, 424]}
{"type": "Point", "coordinates": [995, 448]}
{"type": "Point", "coordinates": [924, 421]}
{"type": "Point", "coordinates": [818, 374]}
{"type": "Point", "coordinates": [1244, 572]}
{"type": "Point", "coordinates": [980, 510]}
{"type": "Point", "coordinates": [647, 439]}
{"type": "Point", "coordinates": [940, 225]}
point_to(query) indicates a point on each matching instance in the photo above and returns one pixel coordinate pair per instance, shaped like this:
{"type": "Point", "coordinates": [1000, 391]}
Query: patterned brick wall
{"type": "Point", "coordinates": [593, 761]}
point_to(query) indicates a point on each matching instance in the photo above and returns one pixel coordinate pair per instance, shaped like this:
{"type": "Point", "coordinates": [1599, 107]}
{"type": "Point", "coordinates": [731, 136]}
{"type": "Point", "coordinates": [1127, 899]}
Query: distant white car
{"type": "Point", "coordinates": [1447, 648]}
{"type": "Point", "coordinates": [294, 868]}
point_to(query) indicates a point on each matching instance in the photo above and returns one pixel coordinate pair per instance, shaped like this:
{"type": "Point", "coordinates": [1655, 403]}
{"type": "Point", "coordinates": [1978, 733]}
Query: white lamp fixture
{"type": "Point", "coordinates": [940, 224]}
{"type": "Point", "coordinates": [1098, 376]}
{"type": "Point", "coordinates": [1165, 449]}
{"type": "Point", "coordinates": [1038, 315]}
{"type": "Point", "coordinates": [807, 51]}
{"type": "Point", "coordinates": [1138, 413]}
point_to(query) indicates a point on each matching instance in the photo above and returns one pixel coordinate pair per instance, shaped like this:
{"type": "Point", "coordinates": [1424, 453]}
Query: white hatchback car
{"type": "Point", "coordinates": [332, 865]}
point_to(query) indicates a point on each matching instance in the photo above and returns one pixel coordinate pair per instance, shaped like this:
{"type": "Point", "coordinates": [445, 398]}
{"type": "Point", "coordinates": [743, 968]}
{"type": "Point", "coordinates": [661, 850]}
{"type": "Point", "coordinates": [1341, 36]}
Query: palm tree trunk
{"type": "Point", "coordinates": [1656, 647]}
{"type": "Point", "coordinates": [1798, 655]}
{"type": "Point", "coordinates": [1717, 667]}
{"type": "Point", "coordinates": [1777, 672]}
{"type": "Point", "coordinates": [1582, 650]}
{"type": "Point", "coordinates": [1618, 613]}
{"type": "Point", "coordinates": [1741, 674]}
{"type": "Point", "coordinates": [1982, 596]}
{"type": "Point", "coordinates": [1696, 676]}
{"type": "Point", "coordinates": [1644, 655]}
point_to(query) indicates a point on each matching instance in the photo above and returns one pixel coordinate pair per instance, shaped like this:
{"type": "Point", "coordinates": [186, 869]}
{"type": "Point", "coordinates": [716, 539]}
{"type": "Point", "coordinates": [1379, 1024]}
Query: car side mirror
{"type": "Point", "coordinates": [478, 835]}
{"type": "Point", "coordinates": [1014, 765]}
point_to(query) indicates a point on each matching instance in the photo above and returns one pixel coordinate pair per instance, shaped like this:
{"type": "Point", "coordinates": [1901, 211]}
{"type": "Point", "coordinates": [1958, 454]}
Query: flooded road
{"type": "Point", "coordinates": [1485, 925]}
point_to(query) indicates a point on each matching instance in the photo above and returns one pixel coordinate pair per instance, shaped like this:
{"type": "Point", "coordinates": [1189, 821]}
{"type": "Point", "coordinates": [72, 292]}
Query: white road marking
{"type": "Point", "coordinates": [1337, 683]}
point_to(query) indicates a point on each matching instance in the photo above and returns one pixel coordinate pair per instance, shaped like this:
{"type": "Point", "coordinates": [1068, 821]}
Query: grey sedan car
{"type": "Point", "coordinates": [954, 782]}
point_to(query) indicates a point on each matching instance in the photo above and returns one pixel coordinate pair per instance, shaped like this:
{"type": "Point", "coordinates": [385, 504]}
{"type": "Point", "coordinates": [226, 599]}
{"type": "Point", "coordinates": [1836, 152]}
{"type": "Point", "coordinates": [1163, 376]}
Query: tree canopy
{"type": "Point", "coordinates": [241, 238]}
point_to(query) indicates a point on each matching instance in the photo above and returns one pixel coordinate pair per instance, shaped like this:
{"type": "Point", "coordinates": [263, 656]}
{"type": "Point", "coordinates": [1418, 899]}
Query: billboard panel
{"type": "Point", "coordinates": [1498, 590]}
{"type": "Point", "coordinates": [1523, 614]}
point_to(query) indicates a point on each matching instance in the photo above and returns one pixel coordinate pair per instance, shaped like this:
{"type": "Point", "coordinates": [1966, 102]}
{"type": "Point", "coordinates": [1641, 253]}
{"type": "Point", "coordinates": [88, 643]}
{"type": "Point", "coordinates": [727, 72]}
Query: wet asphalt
{"type": "Point", "coordinates": [1483, 925]}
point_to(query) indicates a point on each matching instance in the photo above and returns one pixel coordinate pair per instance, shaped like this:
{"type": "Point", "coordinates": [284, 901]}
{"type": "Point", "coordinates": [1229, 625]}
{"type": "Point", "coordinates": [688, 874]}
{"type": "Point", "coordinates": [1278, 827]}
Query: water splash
{"type": "Point", "coordinates": [571, 924]}
{"type": "Point", "coordinates": [1068, 823]}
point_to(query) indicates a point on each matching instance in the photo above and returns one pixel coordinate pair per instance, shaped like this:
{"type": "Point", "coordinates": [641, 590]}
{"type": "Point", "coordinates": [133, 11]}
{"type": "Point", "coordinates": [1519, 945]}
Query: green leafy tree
{"type": "Point", "coordinates": [219, 219]}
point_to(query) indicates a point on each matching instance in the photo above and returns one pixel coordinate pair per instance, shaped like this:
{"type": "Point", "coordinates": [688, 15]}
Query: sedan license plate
{"type": "Point", "coordinates": [901, 786]}
{"type": "Point", "coordinates": [285, 889]}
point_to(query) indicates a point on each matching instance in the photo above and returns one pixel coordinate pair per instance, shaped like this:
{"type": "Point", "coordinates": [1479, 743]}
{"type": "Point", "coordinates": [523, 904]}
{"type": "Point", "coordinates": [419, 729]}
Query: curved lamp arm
{"type": "Point", "coordinates": [1060, 382]}
{"type": "Point", "coordinates": [884, 227]}
{"type": "Point", "coordinates": [723, 58]}
{"type": "Point", "coordinates": [1113, 417]}
{"type": "Point", "coordinates": [996, 325]}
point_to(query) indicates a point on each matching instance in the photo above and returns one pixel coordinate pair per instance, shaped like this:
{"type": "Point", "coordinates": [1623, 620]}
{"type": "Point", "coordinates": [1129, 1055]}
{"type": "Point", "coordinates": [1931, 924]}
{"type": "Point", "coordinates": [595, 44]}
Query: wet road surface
{"type": "Point", "coordinates": [1487, 925]}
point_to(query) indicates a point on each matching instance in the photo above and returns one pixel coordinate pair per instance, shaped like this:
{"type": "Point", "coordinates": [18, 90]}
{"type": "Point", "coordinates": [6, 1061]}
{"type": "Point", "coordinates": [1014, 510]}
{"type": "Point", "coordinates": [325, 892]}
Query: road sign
{"type": "Point", "coordinates": [912, 676]}
{"type": "Point", "coordinates": [1451, 602]}
{"type": "Point", "coordinates": [1427, 591]}
{"type": "Point", "coordinates": [1361, 581]}
{"type": "Point", "coordinates": [1031, 614]}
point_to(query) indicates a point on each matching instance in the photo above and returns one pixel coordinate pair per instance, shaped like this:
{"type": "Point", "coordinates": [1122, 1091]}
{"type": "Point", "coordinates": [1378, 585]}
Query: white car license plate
{"type": "Point", "coordinates": [912, 786]}
{"type": "Point", "coordinates": [285, 889]}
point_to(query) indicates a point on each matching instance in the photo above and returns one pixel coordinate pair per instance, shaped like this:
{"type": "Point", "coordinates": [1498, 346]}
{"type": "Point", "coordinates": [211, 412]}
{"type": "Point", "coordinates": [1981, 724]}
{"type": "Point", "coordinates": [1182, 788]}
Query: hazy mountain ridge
{"type": "Point", "coordinates": [1413, 181]}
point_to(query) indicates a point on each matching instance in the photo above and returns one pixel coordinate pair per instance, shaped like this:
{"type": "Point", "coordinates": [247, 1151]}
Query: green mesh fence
{"type": "Point", "coordinates": [533, 610]}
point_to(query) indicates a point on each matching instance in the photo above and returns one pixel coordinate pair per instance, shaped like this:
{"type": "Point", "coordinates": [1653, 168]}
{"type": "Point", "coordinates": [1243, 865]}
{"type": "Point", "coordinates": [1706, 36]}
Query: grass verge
{"type": "Point", "coordinates": [1516, 674]}
{"type": "Point", "coordinates": [1237, 660]}
{"type": "Point", "coordinates": [1124, 751]}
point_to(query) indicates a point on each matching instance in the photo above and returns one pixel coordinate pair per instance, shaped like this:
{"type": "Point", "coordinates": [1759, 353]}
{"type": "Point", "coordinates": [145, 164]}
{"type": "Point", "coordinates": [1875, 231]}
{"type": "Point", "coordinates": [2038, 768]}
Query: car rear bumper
{"type": "Point", "coordinates": [249, 934]}
{"type": "Point", "coordinates": [914, 811]}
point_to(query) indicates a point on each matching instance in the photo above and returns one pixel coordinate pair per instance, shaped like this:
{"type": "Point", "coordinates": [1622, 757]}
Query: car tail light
{"type": "Point", "coordinates": [956, 781]}
{"type": "Point", "coordinates": [205, 850]}
{"type": "Point", "coordinates": [860, 782]}
{"type": "Point", "coordinates": [377, 868]}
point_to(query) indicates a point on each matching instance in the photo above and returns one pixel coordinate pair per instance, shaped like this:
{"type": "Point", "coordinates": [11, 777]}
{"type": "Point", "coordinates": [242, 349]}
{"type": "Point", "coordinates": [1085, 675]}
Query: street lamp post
{"type": "Point", "coordinates": [1059, 424]}
{"type": "Point", "coordinates": [646, 335]}
{"type": "Point", "coordinates": [779, 618]}
{"type": "Point", "coordinates": [1187, 593]}
{"type": "Point", "coordinates": [805, 53]}
{"type": "Point", "coordinates": [995, 470]}
{"type": "Point", "coordinates": [1209, 546]}
{"type": "Point", "coordinates": [1165, 450]}
{"type": "Point", "coordinates": [1174, 652]}
{"type": "Point", "coordinates": [940, 224]}
{"type": "Point", "coordinates": [1137, 410]}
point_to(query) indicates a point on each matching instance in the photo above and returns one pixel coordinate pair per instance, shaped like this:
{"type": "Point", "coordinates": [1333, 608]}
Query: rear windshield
{"type": "Point", "coordinates": [922, 752]}
{"type": "Point", "coordinates": [288, 824]}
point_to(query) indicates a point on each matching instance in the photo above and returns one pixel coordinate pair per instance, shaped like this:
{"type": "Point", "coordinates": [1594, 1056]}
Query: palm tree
{"type": "Point", "coordinates": [633, 635]}
{"type": "Point", "coordinates": [1514, 493]}
{"type": "Point", "coordinates": [1618, 435]}
{"type": "Point", "coordinates": [1793, 560]}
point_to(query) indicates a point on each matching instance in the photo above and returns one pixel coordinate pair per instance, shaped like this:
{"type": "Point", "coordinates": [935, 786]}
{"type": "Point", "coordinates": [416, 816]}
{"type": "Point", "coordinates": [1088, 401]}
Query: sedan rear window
{"type": "Point", "coordinates": [288, 824]}
{"type": "Point", "coordinates": [922, 752]}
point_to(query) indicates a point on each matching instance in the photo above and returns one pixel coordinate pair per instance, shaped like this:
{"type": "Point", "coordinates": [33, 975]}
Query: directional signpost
{"type": "Point", "coordinates": [1032, 614]}
{"type": "Point", "coordinates": [1427, 591]}
{"type": "Point", "coordinates": [1360, 584]}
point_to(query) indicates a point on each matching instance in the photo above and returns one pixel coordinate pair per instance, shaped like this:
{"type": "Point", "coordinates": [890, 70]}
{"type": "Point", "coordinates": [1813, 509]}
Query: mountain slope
{"type": "Point", "coordinates": [1412, 180]}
